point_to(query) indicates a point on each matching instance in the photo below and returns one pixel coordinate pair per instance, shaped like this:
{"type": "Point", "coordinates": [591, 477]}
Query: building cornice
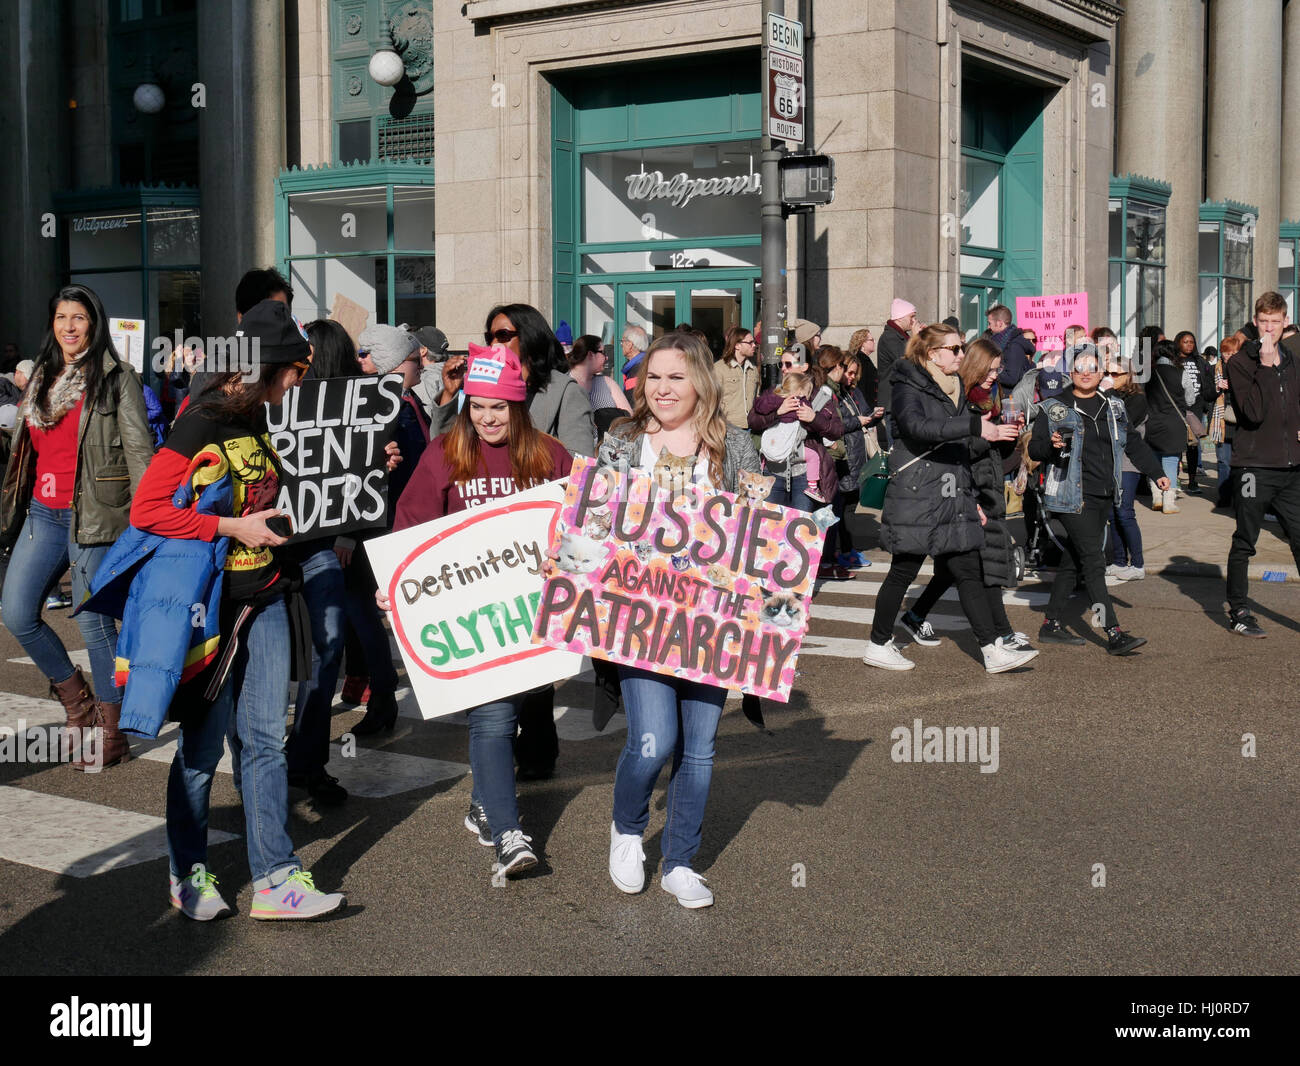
{"type": "Point", "coordinates": [491, 12]}
{"type": "Point", "coordinates": [1090, 20]}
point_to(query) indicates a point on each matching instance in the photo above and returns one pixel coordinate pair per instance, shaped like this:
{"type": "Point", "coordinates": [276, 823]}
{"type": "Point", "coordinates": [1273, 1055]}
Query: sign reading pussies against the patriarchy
{"type": "Point", "coordinates": [680, 579]}
{"type": "Point", "coordinates": [329, 436]}
{"type": "Point", "coordinates": [464, 590]}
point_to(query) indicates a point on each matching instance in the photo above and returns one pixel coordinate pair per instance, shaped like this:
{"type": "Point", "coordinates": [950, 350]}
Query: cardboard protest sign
{"type": "Point", "coordinates": [330, 436]}
{"type": "Point", "coordinates": [464, 591]}
{"type": "Point", "coordinates": [1048, 316]}
{"type": "Point", "coordinates": [351, 315]}
{"type": "Point", "coordinates": [693, 583]}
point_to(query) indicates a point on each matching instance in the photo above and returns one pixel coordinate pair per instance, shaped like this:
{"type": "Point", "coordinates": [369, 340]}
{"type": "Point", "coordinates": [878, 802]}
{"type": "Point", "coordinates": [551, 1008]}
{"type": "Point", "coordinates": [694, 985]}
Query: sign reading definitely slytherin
{"type": "Point", "coordinates": [464, 590]}
{"type": "Point", "coordinates": [329, 436]}
{"type": "Point", "coordinates": [678, 579]}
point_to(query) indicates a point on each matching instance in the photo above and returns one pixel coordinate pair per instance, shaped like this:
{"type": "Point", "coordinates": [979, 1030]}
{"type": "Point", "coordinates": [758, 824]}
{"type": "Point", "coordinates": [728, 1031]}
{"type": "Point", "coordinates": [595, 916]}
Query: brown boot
{"type": "Point", "coordinates": [110, 746]}
{"type": "Point", "coordinates": [78, 703]}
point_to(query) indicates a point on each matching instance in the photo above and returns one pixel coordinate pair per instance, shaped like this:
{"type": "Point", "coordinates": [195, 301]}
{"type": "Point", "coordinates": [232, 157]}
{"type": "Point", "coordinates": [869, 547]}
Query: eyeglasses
{"type": "Point", "coordinates": [746, 340]}
{"type": "Point", "coordinates": [502, 336]}
{"type": "Point", "coordinates": [955, 348]}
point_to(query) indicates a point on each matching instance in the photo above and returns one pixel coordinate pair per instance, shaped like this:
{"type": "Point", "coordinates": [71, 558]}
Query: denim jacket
{"type": "Point", "coordinates": [1063, 483]}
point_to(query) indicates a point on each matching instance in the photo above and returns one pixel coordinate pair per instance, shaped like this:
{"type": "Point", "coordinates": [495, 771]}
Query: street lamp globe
{"type": "Point", "coordinates": [386, 67]}
{"type": "Point", "coordinates": [148, 98]}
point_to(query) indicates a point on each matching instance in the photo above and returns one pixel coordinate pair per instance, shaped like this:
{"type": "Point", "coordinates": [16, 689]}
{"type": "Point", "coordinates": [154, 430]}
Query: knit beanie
{"type": "Point", "coordinates": [494, 374]}
{"type": "Point", "coordinates": [280, 338]}
{"type": "Point", "coordinates": [804, 331]}
{"type": "Point", "coordinates": [900, 309]}
{"type": "Point", "coordinates": [388, 346]}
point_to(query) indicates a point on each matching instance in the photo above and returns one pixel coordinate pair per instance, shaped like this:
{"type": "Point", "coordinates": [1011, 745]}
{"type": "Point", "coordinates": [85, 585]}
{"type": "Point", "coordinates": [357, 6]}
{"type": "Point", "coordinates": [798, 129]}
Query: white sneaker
{"type": "Point", "coordinates": [1170, 507]}
{"type": "Point", "coordinates": [886, 656]}
{"type": "Point", "coordinates": [688, 887]}
{"type": "Point", "coordinates": [1157, 497]}
{"type": "Point", "coordinates": [1113, 570]}
{"type": "Point", "coordinates": [196, 895]}
{"type": "Point", "coordinates": [1133, 573]}
{"type": "Point", "coordinates": [625, 861]}
{"type": "Point", "coordinates": [999, 658]}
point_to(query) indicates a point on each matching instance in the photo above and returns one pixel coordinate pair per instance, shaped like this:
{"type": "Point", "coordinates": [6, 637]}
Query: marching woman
{"type": "Point", "coordinates": [1082, 435]}
{"type": "Point", "coordinates": [931, 507]}
{"type": "Point", "coordinates": [492, 450]}
{"type": "Point", "coordinates": [219, 448]}
{"type": "Point", "coordinates": [677, 404]}
{"type": "Point", "coordinates": [80, 447]}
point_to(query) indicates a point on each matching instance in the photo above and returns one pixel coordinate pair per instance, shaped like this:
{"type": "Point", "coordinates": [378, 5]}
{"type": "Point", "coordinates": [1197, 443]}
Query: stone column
{"type": "Point", "coordinates": [241, 146]}
{"type": "Point", "coordinates": [1245, 121]}
{"type": "Point", "coordinates": [33, 128]}
{"type": "Point", "coordinates": [1290, 200]}
{"type": "Point", "coordinates": [1161, 59]}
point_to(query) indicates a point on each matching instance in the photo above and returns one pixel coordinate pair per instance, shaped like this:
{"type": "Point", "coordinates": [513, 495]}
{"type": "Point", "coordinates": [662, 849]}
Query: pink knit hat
{"type": "Point", "coordinates": [900, 309]}
{"type": "Point", "coordinates": [494, 374]}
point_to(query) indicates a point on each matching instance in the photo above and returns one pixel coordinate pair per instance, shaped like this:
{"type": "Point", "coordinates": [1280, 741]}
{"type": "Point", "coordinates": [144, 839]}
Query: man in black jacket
{"type": "Point", "coordinates": [1264, 377]}
{"type": "Point", "coordinates": [1017, 351]}
{"type": "Point", "coordinates": [893, 342]}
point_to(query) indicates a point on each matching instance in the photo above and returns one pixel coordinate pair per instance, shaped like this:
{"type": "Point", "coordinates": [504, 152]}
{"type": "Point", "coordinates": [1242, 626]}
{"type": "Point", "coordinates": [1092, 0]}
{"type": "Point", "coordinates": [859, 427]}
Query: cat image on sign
{"type": "Point", "coordinates": [579, 554]}
{"type": "Point", "coordinates": [644, 550]}
{"type": "Point", "coordinates": [824, 517]}
{"type": "Point", "coordinates": [673, 473]}
{"type": "Point", "coordinates": [781, 609]}
{"type": "Point", "coordinates": [615, 452]}
{"type": "Point", "coordinates": [753, 488]}
{"type": "Point", "coordinates": [598, 525]}
{"type": "Point", "coordinates": [719, 576]}
{"type": "Point", "coordinates": [681, 562]}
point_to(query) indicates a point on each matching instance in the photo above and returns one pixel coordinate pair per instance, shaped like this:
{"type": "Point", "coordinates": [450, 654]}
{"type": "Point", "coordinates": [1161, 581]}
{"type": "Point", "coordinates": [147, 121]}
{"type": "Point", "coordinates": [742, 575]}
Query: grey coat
{"type": "Point", "coordinates": [562, 409]}
{"type": "Point", "coordinates": [740, 452]}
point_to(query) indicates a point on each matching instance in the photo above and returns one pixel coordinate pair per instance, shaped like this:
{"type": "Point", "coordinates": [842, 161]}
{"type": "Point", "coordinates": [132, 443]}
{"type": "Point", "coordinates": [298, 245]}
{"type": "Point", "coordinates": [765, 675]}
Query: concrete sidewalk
{"type": "Point", "coordinates": [1193, 542]}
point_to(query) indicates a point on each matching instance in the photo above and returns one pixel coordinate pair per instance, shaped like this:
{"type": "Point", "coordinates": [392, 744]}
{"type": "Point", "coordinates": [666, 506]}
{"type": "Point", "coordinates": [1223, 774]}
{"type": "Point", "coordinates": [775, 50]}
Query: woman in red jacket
{"type": "Point", "coordinates": [492, 450]}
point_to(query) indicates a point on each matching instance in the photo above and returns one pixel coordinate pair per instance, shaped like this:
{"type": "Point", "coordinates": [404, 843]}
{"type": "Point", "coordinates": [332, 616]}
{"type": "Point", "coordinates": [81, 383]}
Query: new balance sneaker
{"type": "Point", "coordinates": [1133, 573]}
{"type": "Point", "coordinates": [998, 658]}
{"type": "Point", "coordinates": [294, 899]}
{"type": "Point", "coordinates": [688, 887]}
{"type": "Point", "coordinates": [514, 856]}
{"type": "Point", "coordinates": [920, 630]}
{"type": "Point", "coordinates": [1016, 642]}
{"type": "Point", "coordinates": [1052, 632]}
{"type": "Point", "coordinates": [1243, 622]}
{"type": "Point", "coordinates": [886, 656]}
{"type": "Point", "coordinates": [862, 562]}
{"type": "Point", "coordinates": [1113, 570]}
{"type": "Point", "coordinates": [1120, 643]}
{"type": "Point", "coordinates": [196, 895]}
{"type": "Point", "coordinates": [626, 861]}
{"type": "Point", "coordinates": [477, 823]}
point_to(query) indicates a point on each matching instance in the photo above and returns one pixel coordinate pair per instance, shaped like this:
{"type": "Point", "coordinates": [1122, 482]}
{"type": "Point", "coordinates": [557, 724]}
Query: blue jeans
{"type": "Point", "coordinates": [492, 759]}
{"type": "Point", "coordinates": [667, 716]}
{"type": "Point", "coordinates": [1223, 457]}
{"type": "Point", "coordinates": [1169, 463]}
{"type": "Point", "coordinates": [1125, 536]}
{"type": "Point", "coordinates": [43, 550]}
{"type": "Point", "coordinates": [308, 748]}
{"type": "Point", "coordinates": [251, 707]}
{"type": "Point", "coordinates": [795, 496]}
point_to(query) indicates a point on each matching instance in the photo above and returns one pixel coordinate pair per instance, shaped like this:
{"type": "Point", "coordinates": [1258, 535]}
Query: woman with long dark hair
{"type": "Point", "coordinates": [1127, 562]}
{"type": "Point", "coordinates": [586, 366]}
{"type": "Point", "coordinates": [493, 449]}
{"type": "Point", "coordinates": [1198, 394]}
{"type": "Point", "coordinates": [1167, 429]}
{"type": "Point", "coordinates": [80, 447]}
{"type": "Point", "coordinates": [220, 448]}
{"type": "Point", "coordinates": [677, 406]}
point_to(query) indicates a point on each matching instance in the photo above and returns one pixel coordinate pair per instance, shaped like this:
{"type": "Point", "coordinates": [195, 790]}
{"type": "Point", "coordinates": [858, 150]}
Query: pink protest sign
{"type": "Point", "coordinates": [1048, 316]}
{"type": "Point", "coordinates": [683, 581]}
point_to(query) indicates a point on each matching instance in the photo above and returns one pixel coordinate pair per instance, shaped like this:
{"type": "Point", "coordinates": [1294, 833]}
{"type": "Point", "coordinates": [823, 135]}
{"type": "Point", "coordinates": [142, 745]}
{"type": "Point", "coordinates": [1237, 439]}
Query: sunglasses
{"type": "Point", "coordinates": [787, 366]}
{"type": "Point", "coordinates": [948, 348]}
{"type": "Point", "coordinates": [502, 336]}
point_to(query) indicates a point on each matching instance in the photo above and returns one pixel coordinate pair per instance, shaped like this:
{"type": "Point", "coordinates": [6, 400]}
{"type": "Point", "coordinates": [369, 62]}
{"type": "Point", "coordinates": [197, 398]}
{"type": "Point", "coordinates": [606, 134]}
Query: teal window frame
{"type": "Point", "coordinates": [1289, 237]}
{"type": "Point", "coordinates": [567, 152]}
{"type": "Point", "coordinates": [1221, 214]}
{"type": "Point", "coordinates": [1147, 192]}
{"type": "Point", "coordinates": [294, 182]}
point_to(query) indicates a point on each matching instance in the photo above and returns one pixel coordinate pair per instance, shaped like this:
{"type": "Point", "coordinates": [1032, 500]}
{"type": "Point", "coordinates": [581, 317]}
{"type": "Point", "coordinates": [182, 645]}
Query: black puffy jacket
{"type": "Point", "coordinates": [1166, 427]}
{"type": "Point", "coordinates": [987, 463]}
{"type": "Point", "coordinates": [930, 505]}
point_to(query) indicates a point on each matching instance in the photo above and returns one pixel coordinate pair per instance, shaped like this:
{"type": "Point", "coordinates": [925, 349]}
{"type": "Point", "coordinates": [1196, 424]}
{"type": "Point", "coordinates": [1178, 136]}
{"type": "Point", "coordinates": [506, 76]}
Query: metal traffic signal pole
{"type": "Point", "coordinates": [775, 311]}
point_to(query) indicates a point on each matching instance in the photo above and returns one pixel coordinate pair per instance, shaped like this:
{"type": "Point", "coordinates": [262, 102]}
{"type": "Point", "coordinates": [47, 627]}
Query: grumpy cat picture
{"type": "Point", "coordinates": [781, 609]}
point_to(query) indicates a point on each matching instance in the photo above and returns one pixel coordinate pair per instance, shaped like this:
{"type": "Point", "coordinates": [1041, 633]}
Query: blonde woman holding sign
{"type": "Point", "coordinates": [677, 405]}
{"type": "Point", "coordinates": [492, 450]}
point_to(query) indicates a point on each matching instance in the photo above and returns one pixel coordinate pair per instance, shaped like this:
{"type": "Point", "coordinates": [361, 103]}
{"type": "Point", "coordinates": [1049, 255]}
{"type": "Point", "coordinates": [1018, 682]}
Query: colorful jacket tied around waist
{"type": "Point", "coordinates": [167, 592]}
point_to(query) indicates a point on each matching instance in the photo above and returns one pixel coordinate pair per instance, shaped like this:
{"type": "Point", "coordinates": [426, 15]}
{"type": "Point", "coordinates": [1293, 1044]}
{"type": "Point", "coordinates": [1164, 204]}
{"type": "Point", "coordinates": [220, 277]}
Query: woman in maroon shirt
{"type": "Point", "coordinates": [492, 450]}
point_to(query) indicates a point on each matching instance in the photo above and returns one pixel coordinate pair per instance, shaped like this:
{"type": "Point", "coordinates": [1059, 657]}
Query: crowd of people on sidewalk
{"type": "Point", "coordinates": [160, 504]}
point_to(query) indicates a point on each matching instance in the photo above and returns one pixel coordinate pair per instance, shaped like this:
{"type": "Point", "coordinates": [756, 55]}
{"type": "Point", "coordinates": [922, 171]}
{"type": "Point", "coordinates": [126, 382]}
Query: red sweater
{"type": "Point", "coordinates": [432, 494]}
{"type": "Point", "coordinates": [56, 459]}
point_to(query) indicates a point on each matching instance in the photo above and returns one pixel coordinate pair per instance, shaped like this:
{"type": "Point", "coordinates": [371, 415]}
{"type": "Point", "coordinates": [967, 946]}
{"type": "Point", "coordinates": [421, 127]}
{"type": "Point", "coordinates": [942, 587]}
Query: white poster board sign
{"type": "Point", "coordinates": [128, 339]}
{"type": "Point", "coordinates": [464, 591]}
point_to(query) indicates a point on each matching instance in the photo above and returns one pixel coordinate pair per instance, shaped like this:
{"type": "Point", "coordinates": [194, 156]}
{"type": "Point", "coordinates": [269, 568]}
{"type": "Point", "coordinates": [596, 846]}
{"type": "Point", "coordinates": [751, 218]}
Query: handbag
{"type": "Point", "coordinates": [876, 476]}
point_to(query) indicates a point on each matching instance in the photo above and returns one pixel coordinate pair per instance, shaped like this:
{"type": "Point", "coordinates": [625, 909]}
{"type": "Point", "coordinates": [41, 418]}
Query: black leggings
{"type": "Point", "coordinates": [1084, 555]}
{"type": "Point", "coordinates": [942, 581]}
{"type": "Point", "coordinates": [966, 573]}
{"type": "Point", "coordinates": [841, 528]}
{"type": "Point", "coordinates": [1193, 456]}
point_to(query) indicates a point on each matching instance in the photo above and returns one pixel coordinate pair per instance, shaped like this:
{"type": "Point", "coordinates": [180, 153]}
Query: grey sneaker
{"type": "Point", "coordinates": [295, 898]}
{"type": "Point", "coordinates": [514, 856]}
{"type": "Point", "coordinates": [477, 823]}
{"type": "Point", "coordinates": [1133, 573]}
{"type": "Point", "coordinates": [920, 630]}
{"type": "Point", "coordinates": [196, 895]}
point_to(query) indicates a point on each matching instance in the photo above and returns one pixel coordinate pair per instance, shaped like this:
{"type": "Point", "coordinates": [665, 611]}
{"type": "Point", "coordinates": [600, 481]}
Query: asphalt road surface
{"type": "Point", "coordinates": [826, 855]}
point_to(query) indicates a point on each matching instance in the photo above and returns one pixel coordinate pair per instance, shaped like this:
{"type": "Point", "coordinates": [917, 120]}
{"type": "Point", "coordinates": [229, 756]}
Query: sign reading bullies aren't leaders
{"type": "Point", "coordinates": [464, 591]}
{"type": "Point", "coordinates": [1048, 317]}
{"type": "Point", "coordinates": [329, 436]}
{"type": "Point", "coordinates": [683, 581]}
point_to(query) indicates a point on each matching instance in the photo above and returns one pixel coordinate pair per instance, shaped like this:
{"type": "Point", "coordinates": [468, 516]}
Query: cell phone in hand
{"type": "Point", "coordinates": [281, 525]}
